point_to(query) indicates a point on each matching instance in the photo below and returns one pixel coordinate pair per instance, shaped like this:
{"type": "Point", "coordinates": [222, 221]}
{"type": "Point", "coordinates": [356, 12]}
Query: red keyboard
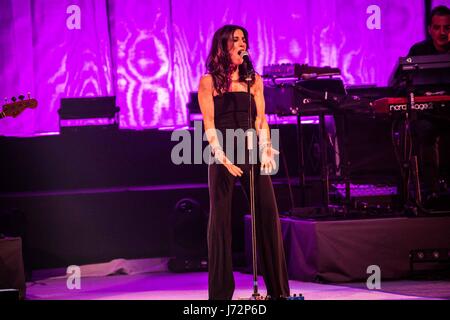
{"type": "Point", "coordinates": [422, 103]}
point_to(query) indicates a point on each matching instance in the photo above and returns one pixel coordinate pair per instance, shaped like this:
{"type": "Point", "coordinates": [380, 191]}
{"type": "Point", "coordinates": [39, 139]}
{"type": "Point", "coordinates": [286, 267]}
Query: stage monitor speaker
{"type": "Point", "coordinates": [9, 295]}
{"type": "Point", "coordinates": [188, 230]}
{"type": "Point", "coordinates": [12, 275]}
{"type": "Point", "coordinates": [76, 114]}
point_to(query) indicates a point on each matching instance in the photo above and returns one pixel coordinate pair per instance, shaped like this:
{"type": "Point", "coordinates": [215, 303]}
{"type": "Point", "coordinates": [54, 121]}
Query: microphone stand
{"type": "Point", "coordinates": [250, 147]}
{"type": "Point", "coordinates": [410, 164]}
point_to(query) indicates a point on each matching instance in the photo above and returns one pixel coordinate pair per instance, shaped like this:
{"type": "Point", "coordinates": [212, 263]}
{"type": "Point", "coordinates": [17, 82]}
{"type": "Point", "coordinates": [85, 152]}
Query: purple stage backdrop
{"type": "Point", "coordinates": [151, 54]}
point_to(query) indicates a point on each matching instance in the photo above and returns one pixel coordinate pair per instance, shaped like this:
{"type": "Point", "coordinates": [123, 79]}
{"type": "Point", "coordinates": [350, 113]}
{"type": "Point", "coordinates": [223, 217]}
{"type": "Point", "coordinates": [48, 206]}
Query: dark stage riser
{"type": "Point", "coordinates": [341, 251]}
{"type": "Point", "coordinates": [92, 160]}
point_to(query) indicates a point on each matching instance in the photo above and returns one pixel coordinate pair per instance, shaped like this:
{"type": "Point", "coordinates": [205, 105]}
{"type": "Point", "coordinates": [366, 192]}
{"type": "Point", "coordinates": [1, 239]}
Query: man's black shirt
{"type": "Point", "coordinates": [423, 48]}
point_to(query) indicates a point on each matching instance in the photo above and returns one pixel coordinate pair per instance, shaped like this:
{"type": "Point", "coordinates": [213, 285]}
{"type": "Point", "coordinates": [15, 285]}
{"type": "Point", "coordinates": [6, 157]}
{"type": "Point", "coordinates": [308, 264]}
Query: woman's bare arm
{"type": "Point", "coordinates": [261, 124]}
{"type": "Point", "coordinates": [206, 101]}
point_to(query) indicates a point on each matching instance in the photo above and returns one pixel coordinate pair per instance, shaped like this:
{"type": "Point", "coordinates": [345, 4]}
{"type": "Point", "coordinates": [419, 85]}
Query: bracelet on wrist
{"type": "Point", "coordinates": [264, 145]}
{"type": "Point", "coordinates": [214, 149]}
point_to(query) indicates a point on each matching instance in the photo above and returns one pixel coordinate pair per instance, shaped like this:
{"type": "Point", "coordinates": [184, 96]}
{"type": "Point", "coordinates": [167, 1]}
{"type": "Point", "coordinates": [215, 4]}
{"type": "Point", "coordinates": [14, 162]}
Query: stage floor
{"type": "Point", "coordinates": [193, 286]}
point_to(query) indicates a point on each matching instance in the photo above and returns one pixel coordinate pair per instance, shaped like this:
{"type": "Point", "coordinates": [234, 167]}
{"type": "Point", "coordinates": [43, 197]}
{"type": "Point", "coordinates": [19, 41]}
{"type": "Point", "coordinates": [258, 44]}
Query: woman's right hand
{"type": "Point", "coordinates": [206, 101]}
{"type": "Point", "coordinates": [234, 170]}
{"type": "Point", "coordinates": [222, 158]}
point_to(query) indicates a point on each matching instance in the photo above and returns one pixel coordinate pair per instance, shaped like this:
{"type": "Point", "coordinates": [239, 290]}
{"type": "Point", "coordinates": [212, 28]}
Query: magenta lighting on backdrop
{"type": "Point", "coordinates": [151, 54]}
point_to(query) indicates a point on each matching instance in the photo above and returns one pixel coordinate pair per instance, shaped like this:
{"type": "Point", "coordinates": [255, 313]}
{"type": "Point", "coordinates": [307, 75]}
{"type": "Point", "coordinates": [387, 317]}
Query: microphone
{"type": "Point", "coordinates": [247, 63]}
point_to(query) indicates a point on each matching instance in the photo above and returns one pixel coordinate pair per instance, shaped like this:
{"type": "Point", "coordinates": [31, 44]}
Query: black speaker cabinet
{"type": "Point", "coordinates": [12, 275]}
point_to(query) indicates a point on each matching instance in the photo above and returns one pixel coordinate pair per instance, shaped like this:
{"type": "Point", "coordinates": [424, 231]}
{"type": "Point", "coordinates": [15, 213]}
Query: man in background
{"type": "Point", "coordinates": [427, 131]}
{"type": "Point", "coordinates": [439, 30]}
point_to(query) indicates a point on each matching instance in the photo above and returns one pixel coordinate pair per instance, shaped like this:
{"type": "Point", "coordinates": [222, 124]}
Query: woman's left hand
{"type": "Point", "coordinates": [268, 163]}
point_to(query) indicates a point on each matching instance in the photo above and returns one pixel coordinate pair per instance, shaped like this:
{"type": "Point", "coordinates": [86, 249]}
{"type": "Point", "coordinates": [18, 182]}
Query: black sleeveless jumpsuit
{"type": "Point", "coordinates": [231, 112]}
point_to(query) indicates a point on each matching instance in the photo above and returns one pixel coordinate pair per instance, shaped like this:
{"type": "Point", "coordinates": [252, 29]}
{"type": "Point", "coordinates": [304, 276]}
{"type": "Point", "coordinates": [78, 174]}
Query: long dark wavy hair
{"type": "Point", "coordinates": [219, 63]}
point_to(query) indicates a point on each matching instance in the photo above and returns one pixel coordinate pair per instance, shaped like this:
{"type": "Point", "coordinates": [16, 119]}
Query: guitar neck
{"type": "Point", "coordinates": [15, 108]}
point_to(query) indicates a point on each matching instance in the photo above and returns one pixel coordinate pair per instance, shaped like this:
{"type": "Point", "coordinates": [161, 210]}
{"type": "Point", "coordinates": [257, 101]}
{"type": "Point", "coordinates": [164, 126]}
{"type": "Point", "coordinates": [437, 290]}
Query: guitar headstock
{"type": "Point", "coordinates": [16, 107]}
